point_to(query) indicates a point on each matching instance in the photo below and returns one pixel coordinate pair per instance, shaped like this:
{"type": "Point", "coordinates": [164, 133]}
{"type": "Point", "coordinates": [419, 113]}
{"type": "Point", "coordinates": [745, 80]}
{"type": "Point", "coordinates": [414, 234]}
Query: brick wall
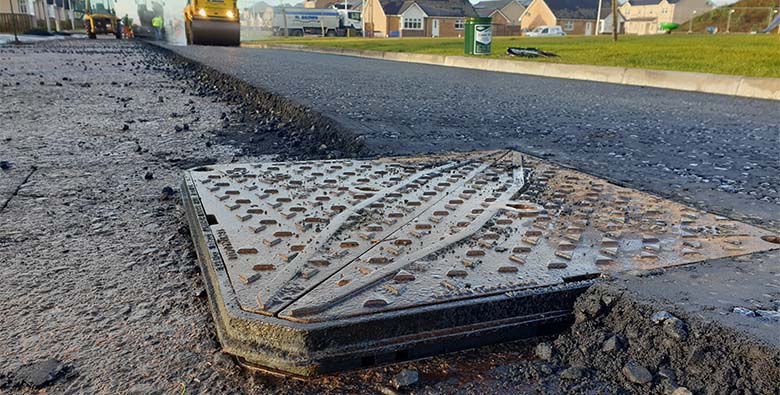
{"type": "Point", "coordinates": [446, 27]}
{"type": "Point", "coordinates": [393, 24]}
{"type": "Point", "coordinates": [579, 26]}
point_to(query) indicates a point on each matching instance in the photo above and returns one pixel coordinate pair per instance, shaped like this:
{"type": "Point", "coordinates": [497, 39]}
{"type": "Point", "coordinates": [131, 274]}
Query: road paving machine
{"type": "Point", "coordinates": [212, 22]}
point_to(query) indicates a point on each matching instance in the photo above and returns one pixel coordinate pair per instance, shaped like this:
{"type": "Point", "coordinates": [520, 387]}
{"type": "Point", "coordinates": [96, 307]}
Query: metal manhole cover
{"type": "Point", "coordinates": [332, 263]}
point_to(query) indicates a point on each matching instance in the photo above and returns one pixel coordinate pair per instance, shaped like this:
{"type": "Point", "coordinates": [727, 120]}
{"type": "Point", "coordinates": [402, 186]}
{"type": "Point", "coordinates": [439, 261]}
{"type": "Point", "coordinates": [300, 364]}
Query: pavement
{"type": "Point", "coordinates": [32, 38]}
{"type": "Point", "coordinates": [715, 152]}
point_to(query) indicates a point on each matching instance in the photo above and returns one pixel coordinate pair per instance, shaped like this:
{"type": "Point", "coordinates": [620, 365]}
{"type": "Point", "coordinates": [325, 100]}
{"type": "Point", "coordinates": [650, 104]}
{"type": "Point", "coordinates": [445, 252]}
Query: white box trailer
{"type": "Point", "coordinates": [329, 22]}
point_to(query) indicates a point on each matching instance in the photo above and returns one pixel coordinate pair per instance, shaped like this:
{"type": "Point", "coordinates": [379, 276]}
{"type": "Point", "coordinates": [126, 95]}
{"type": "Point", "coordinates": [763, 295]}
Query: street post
{"type": "Point", "coordinates": [13, 22]}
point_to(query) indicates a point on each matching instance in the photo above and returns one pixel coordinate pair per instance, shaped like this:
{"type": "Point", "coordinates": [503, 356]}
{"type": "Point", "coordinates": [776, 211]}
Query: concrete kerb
{"type": "Point", "coordinates": [759, 87]}
{"type": "Point", "coordinates": [730, 85]}
{"type": "Point", "coordinates": [695, 82]}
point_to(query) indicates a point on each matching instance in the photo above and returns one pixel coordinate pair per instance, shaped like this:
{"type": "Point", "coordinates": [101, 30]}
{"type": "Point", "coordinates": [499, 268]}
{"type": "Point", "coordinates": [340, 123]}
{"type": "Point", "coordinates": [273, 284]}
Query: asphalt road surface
{"type": "Point", "coordinates": [101, 293]}
{"type": "Point", "coordinates": [716, 152]}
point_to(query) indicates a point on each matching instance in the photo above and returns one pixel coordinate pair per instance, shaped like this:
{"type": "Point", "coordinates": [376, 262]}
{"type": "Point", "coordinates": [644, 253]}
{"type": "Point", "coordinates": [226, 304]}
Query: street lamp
{"type": "Point", "coordinates": [778, 29]}
{"type": "Point", "coordinates": [13, 22]}
{"type": "Point", "coordinates": [598, 19]}
{"type": "Point", "coordinates": [690, 23]}
{"type": "Point", "coordinates": [728, 22]}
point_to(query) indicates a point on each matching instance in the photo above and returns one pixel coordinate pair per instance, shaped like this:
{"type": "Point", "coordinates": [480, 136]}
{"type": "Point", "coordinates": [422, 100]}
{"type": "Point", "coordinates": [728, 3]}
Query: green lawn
{"type": "Point", "coordinates": [749, 55]}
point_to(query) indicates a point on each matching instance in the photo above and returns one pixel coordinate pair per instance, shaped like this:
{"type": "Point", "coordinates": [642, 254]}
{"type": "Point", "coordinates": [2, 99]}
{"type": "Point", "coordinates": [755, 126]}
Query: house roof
{"type": "Point", "coordinates": [486, 8]}
{"type": "Point", "coordinates": [431, 7]}
{"type": "Point", "coordinates": [492, 4]}
{"type": "Point", "coordinates": [259, 7]}
{"type": "Point", "coordinates": [578, 9]}
{"type": "Point", "coordinates": [650, 2]}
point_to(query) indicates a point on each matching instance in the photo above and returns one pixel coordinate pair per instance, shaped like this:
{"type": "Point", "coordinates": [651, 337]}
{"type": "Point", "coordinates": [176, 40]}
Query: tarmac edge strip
{"type": "Point", "coordinates": [720, 84]}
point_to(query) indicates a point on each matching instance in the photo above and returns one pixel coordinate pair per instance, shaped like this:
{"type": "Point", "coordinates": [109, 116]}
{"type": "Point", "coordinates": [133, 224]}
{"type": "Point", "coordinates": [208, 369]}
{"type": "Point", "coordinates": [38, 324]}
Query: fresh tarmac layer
{"type": "Point", "coordinates": [716, 152]}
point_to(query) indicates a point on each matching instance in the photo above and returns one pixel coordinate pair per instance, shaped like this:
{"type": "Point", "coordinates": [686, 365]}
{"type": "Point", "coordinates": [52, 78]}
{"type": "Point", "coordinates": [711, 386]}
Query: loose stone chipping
{"type": "Point", "coordinates": [324, 241]}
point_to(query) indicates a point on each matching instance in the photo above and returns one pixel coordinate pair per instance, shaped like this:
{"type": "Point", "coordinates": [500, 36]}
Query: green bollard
{"type": "Point", "coordinates": [479, 36]}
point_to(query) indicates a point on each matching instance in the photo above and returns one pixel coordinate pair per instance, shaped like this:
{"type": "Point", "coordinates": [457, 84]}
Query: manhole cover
{"type": "Point", "coordinates": [328, 265]}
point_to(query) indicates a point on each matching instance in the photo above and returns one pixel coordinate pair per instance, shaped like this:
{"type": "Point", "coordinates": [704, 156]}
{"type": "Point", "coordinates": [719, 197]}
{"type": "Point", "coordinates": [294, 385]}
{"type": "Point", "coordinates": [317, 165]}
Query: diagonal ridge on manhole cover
{"type": "Point", "coordinates": [345, 253]}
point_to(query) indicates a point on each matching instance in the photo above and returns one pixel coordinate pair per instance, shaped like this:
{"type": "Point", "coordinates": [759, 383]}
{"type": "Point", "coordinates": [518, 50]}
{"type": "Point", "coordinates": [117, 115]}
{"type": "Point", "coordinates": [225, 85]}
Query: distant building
{"type": "Point", "coordinates": [504, 12]}
{"type": "Point", "coordinates": [418, 18]}
{"type": "Point", "coordinates": [506, 15]}
{"type": "Point", "coordinates": [259, 15]}
{"type": "Point", "coordinates": [576, 17]}
{"type": "Point", "coordinates": [31, 14]}
{"type": "Point", "coordinates": [645, 16]}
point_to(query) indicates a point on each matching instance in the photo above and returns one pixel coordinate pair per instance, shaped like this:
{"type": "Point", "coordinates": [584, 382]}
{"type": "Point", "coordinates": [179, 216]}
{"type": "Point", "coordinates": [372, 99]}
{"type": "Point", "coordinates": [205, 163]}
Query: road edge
{"type": "Point", "coordinates": [720, 84]}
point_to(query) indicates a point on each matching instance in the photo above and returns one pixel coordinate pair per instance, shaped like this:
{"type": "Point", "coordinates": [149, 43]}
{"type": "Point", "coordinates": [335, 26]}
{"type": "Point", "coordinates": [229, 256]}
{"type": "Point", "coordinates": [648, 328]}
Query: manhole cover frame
{"type": "Point", "coordinates": [305, 349]}
{"type": "Point", "coordinates": [267, 341]}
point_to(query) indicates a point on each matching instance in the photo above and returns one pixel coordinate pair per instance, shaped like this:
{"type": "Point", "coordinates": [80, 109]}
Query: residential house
{"type": "Point", "coordinates": [576, 17]}
{"type": "Point", "coordinates": [258, 15]}
{"type": "Point", "coordinates": [30, 14]}
{"type": "Point", "coordinates": [506, 15]}
{"type": "Point", "coordinates": [645, 16]}
{"type": "Point", "coordinates": [417, 18]}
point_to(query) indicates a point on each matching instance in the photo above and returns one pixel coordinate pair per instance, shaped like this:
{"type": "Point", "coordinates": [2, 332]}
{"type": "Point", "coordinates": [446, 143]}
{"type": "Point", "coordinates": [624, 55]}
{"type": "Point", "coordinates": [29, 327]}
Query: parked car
{"type": "Point", "coordinates": [546, 31]}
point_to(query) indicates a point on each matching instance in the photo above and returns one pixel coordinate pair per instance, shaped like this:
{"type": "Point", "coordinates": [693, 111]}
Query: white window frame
{"type": "Point", "coordinates": [460, 24]}
{"type": "Point", "coordinates": [568, 26]}
{"type": "Point", "coordinates": [413, 23]}
{"type": "Point", "coordinates": [22, 7]}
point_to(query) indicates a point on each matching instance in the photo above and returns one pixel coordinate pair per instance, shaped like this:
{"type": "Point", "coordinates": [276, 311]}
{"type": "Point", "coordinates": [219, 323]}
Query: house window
{"type": "Point", "coordinates": [23, 6]}
{"type": "Point", "coordinates": [413, 23]}
{"type": "Point", "coordinates": [459, 25]}
{"type": "Point", "coordinates": [663, 10]}
{"type": "Point", "coordinates": [568, 26]}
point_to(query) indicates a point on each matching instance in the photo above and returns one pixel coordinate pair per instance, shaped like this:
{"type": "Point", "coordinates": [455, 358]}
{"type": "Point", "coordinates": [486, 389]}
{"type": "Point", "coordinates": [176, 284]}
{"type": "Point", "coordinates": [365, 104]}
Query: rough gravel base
{"type": "Point", "coordinates": [662, 323]}
{"type": "Point", "coordinates": [98, 270]}
{"type": "Point", "coordinates": [100, 291]}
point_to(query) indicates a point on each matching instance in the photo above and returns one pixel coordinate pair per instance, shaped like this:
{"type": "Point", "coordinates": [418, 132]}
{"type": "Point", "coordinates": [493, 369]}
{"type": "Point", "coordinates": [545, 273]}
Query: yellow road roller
{"type": "Point", "coordinates": [212, 22]}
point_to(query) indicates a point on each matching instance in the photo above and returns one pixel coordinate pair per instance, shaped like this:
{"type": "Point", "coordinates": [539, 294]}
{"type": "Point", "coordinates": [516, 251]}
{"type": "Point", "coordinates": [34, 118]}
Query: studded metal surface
{"type": "Point", "coordinates": [320, 241]}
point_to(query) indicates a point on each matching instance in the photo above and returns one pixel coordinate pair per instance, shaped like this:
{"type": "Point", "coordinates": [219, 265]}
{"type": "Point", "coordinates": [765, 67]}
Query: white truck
{"type": "Point", "coordinates": [330, 22]}
{"type": "Point", "coordinates": [546, 31]}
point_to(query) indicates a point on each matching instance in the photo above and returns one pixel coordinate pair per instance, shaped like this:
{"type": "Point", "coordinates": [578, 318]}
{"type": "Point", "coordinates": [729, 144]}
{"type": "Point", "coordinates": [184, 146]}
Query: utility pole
{"type": "Point", "coordinates": [728, 21]}
{"type": "Point", "coordinates": [614, 21]}
{"type": "Point", "coordinates": [13, 22]}
{"type": "Point", "coordinates": [72, 15]}
{"type": "Point", "coordinates": [45, 8]}
{"type": "Point", "coordinates": [284, 17]}
{"type": "Point", "coordinates": [57, 26]}
{"type": "Point", "coordinates": [598, 19]}
{"type": "Point", "coordinates": [690, 23]}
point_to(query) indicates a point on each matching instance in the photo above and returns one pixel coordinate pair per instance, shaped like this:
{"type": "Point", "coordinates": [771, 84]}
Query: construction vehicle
{"type": "Point", "coordinates": [144, 28]}
{"type": "Point", "coordinates": [330, 22]}
{"type": "Point", "coordinates": [100, 18]}
{"type": "Point", "coordinates": [212, 22]}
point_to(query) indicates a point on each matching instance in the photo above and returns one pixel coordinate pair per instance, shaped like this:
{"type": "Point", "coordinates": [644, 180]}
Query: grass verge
{"type": "Point", "coordinates": [748, 55]}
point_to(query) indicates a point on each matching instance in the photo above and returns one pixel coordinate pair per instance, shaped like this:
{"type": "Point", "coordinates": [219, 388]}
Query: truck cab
{"type": "Point", "coordinates": [350, 19]}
